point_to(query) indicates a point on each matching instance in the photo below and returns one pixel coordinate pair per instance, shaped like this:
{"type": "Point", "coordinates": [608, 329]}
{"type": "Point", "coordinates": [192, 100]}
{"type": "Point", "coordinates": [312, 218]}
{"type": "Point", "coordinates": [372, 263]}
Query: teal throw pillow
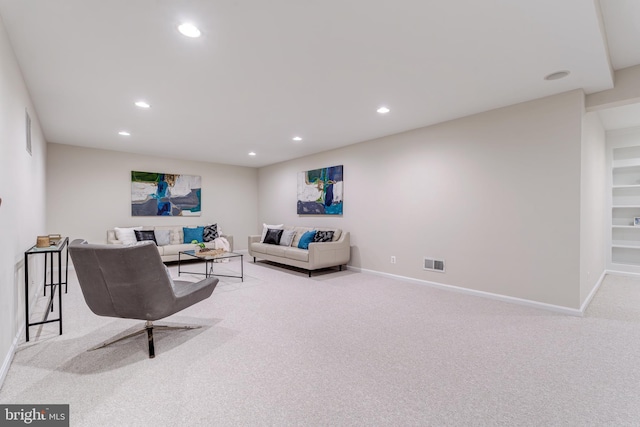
{"type": "Point", "coordinates": [306, 239]}
{"type": "Point", "coordinates": [191, 234]}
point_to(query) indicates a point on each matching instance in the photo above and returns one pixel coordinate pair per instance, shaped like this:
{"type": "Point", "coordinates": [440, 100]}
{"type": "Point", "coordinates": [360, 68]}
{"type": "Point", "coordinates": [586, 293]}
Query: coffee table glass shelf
{"type": "Point", "coordinates": [210, 259]}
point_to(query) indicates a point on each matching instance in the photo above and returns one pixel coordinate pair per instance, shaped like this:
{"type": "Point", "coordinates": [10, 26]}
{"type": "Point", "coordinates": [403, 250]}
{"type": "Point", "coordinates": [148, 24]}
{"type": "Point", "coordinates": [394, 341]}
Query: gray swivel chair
{"type": "Point", "coordinates": [131, 282]}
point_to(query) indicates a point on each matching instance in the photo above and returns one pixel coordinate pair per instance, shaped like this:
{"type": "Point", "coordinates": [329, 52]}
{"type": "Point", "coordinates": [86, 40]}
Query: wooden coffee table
{"type": "Point", "coordinates": [209, 260]}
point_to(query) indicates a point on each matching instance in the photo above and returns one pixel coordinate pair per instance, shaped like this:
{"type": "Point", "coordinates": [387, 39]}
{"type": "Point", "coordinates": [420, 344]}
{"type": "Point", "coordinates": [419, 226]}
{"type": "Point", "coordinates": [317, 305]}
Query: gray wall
{"type": "Point", "coordinates": [92, 193]}
{"type": "Point", "coordinates": [496, 195]}
{"type": "Point", "coordinates": [22, 189]}
{"type": "Point", "coordinates": [593, 202]}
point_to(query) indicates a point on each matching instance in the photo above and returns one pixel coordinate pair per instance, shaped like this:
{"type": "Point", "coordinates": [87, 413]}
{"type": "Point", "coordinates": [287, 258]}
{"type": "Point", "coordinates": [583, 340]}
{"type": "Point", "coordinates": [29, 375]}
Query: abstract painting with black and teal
{"type": "Point", "coordinates": [164, 194]}
{"type": "Point", "coordinates": [320, 191]}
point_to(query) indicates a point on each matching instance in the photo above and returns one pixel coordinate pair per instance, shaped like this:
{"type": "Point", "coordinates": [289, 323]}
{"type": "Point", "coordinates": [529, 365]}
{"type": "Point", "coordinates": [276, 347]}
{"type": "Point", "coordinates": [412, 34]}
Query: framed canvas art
{"type": "Point", "coordinates": [320, 191]}
{"type": "Point", "coordinates": [164, 194]}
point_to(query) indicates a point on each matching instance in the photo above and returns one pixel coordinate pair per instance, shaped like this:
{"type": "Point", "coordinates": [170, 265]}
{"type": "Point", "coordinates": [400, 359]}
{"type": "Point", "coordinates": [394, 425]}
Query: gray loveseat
{"type": "Point", "coordinates": [335, 253]}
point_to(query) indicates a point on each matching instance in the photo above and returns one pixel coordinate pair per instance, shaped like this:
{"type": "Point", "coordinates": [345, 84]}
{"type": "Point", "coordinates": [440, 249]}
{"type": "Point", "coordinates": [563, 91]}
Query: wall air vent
{"type": "Point", "coordinates": [432, 264]}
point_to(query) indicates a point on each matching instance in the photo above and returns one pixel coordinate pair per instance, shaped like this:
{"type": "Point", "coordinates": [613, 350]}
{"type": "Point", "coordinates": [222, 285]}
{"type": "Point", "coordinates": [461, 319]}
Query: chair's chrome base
{"type": "Point", "coordinates": [148, 327]}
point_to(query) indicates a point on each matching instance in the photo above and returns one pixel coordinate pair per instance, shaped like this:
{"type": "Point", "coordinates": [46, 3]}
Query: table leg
{"type": "Point", "coordinates": [26, 295]}
{"type": "Point", "coordinates": [66, 273]}
{"type": "Point", "coordinates": [45, 275]}
{"type": "Point", "coordinates": [59, 290]}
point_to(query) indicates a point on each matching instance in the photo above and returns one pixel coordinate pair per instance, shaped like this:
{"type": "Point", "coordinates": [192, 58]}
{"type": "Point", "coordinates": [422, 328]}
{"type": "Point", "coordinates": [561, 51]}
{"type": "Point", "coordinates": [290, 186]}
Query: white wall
{"type": "Point", "coordinates": [496, 195]}
{"type": "Point", "coordinates": [92, 193]}
{"type": "Point", "coordinates": [592, 204]}
{"type": "Point", "coordinates": [22, 189]}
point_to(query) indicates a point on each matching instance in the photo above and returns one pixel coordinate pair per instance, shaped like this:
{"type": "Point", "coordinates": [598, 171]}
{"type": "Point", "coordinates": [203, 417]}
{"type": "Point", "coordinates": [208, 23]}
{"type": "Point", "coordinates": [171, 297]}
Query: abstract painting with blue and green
{"type": "Point", "coordinates": [165, 194]}
{"type": "Point", "coordinates": [320, 191]}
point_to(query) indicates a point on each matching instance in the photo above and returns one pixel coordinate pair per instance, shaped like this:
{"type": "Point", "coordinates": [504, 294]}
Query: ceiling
{"type": "Point", "coordinates": [265, 71]}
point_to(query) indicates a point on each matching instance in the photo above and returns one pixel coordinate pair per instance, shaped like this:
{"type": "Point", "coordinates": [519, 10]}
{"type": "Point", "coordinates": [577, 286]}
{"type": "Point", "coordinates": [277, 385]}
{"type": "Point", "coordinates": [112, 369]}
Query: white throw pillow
{"type": "Point", "coordinates": [127, 235]}
{"type": "Point", "coordinates": [163, 237]}
{"type": "Point", "coordinates": [287, 237]}
{"type": "Point", "coordinates": [265, 227]}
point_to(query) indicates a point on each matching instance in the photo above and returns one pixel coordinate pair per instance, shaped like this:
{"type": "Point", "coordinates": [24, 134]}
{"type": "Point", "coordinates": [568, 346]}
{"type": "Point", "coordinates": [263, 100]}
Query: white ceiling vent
{"type": "Point", "coordinates": [432, 264]}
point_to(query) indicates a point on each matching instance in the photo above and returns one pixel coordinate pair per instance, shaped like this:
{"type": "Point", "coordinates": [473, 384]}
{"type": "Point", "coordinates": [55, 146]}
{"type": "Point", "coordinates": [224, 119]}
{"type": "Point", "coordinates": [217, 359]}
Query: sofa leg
{"type": "Point", "coordinates": [340, 267]}
{"type": "Point", "coordinates": [309, 273]}
{"type": "Point", "coordinates": [254, 260]}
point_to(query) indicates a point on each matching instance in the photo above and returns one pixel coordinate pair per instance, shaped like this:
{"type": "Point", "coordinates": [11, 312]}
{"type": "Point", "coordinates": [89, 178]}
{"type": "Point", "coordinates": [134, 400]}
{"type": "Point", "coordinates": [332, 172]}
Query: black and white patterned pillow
{"type": "Point", "coordinates": [210, 233]}
{"type": "Point", "coordinates": [323, 236]}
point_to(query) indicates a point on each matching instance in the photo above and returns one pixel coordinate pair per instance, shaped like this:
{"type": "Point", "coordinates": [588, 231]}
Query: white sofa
{"type": "Point", "coordinates": [335, 253]}
{"type": "Point", "coordinates": [170, 252]}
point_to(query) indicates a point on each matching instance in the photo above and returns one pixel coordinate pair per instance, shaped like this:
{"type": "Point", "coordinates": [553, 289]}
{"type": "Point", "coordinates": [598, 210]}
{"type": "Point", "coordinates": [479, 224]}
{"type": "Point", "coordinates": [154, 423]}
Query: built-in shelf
{"type": "Point", "coordinates": [626, 163]}
{"type": "Point", "coordinates": [625, 206]}
{"type": "Point", "coordinates": [615, 187]}
{"type": "Point", "coordinates": [629, 263]}
{"type": "Point", "coordinates": [626, 246]}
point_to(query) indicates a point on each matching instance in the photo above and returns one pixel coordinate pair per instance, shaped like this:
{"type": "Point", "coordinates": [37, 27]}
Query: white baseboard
{"type": "Point", "coordinates": [593, 292]}
{"type": "Point", "coordinates": [623, 273]}
{"type": "Point", "coordinates": [505, 298]}
{"type": "Point", "coordinates": [6, 364]}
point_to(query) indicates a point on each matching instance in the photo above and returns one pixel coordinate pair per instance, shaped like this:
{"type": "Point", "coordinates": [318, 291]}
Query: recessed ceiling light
{"type": "Point", "coordinates": [383, 110]}
{"type": "Point", "coordinates": [142, 104]}
{"type": "Point", "coordinates": [189, 30]}
{"type": "Point", "coordinates": [124, 133]}
{"type": "Point", "coordinates": [557, 75]}
{"type": "Point", "coordinates": [252, 153]}
{"type": "Point", "coordinates": [297, 138]}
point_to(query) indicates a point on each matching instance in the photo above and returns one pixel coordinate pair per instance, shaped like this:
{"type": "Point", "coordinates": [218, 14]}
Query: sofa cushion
{"type": "Point", "coordinates": [145, 235]}
{"type": "Point", "coordinates": [336, 232]}
{"type": "Point", "coordinates": [174, 249]}
{"type": "Point", "coordinates": [299, 232]}
{"type": "Point", "coordinates": [266, 227]}
{"type": "Point", "coordinates": [210, 232]}
{"type": "Point", "coordinates": [260, 247]}
{"type": "Point", "coordinates": [323, 236]}
{"type": "Point", "coordinates": [287, 237]}
{"type": "Point", "coordinates": [306, 238]}
{"type": "Point", "coordinates": [297, 254]}
{"type": "Point", "coordinates": [127, 235]}
{"type": "Point", "coordinates": [276, 250]}
{"type": "Point", "coordinates": [273, 236]}
{"type": "Point", "coordinates": [177, 237]}
{"type": "Point", "coordinates": [191, 234]}
{"type": "Point", "coordinates": [163, 237]}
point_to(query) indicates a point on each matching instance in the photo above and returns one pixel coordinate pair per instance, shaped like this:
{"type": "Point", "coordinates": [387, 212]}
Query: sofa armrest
{"type": "Point", "coordinates": [252, 239]}
{"type": "Point", "coordinates": [329, 254]}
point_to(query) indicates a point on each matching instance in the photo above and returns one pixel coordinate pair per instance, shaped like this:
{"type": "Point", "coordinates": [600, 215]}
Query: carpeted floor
{"type": "Point", "coordinates": [339, 349]}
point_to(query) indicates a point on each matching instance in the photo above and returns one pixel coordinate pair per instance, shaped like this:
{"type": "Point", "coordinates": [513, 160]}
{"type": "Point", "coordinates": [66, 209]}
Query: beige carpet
{"type": "Point", "coordinates": [343, 348]}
